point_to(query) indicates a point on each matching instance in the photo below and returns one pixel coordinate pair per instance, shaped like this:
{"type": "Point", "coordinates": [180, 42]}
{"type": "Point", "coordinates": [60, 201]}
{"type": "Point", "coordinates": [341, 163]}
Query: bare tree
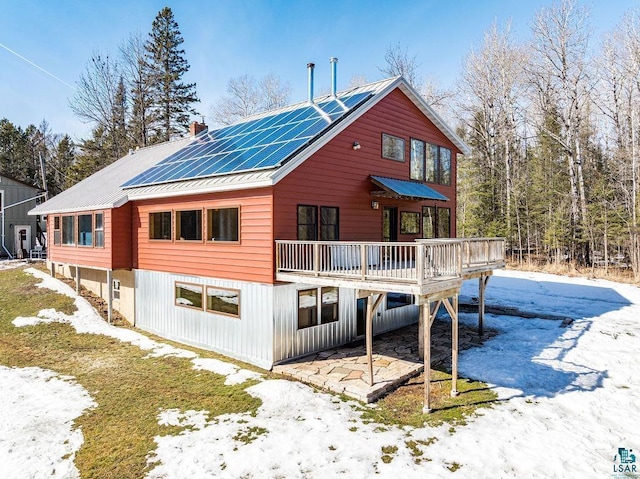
{"type": "Point", "coordinates": [562, 84]}
{"type": "Point", "coordinates": [137, 75]}
{"type": "Point", "coordinates": [491, 86]}
{"type": "Point", "coordinates": [620, 103]}
{"type": "Point", "coordinates": [246, 97]}
{"type": "Point", "coordinates": [399, 62]}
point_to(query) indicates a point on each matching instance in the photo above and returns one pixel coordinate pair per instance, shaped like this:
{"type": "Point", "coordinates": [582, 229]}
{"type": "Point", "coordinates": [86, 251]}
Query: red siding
{"type": "Point", "coordinates": [249, 260]}
{"type": "Point", "coordinates": [115, 234]}
{"type": "Point", "coordinates": [339, 176]}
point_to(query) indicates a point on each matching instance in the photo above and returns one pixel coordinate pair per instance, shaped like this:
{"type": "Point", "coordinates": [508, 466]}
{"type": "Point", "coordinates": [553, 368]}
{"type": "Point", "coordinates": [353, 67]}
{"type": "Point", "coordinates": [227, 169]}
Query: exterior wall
{"type": "Point", "coordinates": [248, 338]}
{"type": "Point", "coordinates": [290, 342]}
{"type": "Point", "coordinates": [337, 175]}
{"type": "Point", "coordinates": [116, 252]}
{"type": "Point", "coordinates": [250, 259]}
{"type": "Point", "coordinates": [13, 192]}
{"type": "Point", "coordinates": [96, 281]}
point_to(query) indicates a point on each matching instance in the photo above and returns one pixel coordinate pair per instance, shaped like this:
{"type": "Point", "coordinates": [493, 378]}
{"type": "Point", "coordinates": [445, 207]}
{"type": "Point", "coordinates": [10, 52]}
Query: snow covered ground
{"type": "Point", "coordinates": [570, 401]}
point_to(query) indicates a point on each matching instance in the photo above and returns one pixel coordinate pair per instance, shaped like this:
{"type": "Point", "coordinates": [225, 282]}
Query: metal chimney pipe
{"type": "Point", "coordinates": [310, 67]}
{"type": "Point", "coordinates": [334, 76]}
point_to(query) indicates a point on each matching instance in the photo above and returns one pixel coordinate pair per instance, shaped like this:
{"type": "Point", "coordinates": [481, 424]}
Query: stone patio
{"type": "Point", "coordinates": [395, 359]}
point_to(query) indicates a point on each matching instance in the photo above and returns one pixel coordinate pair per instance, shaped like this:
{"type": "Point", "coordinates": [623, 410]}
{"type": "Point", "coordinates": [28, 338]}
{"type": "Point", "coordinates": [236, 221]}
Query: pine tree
{"type": "Point", "coordinates": [171, 98]}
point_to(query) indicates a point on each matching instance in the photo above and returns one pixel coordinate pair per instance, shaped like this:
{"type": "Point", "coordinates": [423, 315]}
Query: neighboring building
{"type": "Point", "coordinates": [19, 232]}
{"type": "Point", "coordinates": [182, 237]}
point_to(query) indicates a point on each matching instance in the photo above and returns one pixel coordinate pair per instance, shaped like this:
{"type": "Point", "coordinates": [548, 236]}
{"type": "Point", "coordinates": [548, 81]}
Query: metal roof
{"type": "Point", "coordinates": [403, 189]}
{"type": "Point", "coordinates": [257, 151]}
{"type": "Point", "coordinates": [102, 189]}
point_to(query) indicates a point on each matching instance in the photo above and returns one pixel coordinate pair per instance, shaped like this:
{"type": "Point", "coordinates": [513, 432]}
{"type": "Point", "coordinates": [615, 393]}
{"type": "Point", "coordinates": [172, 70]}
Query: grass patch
{"type": "Point", "coordinates": [388, 452]}
{"type": "Point", "coordinates": [403, 407]}
{"type": "Point", "coordinates": [130, 389]}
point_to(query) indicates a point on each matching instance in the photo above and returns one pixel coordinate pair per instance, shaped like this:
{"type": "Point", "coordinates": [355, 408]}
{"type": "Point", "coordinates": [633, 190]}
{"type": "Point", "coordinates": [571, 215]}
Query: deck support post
{"type": "Point", "coordinates": [482, 286]}
{"type": "Point", "coordinates": [452, 309]}
{"type": "Point", "coordinates": [425, 319]}
{"type": "Point", "coordinates": [77, 280]}
{"type": "Point", "coordinates": [53, 269]}
{"type": "Point", "coordinates": [371, 309]}
{"type": "Point", "coordinates": [110, 296]}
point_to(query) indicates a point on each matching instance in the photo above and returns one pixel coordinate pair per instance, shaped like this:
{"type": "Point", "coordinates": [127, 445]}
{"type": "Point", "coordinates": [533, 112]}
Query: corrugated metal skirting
{"type": "Point", "coordinates": [248, 338]}
{"type": "Point", "coordinates": [267, 331]}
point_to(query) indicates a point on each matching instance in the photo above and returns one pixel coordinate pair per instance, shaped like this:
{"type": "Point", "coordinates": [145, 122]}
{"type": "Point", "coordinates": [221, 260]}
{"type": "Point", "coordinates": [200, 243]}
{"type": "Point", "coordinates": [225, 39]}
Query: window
{"type": "Point", "coordinates": [189, 295]}
{"type": "Point", "coordinates": [329, 306]}
{"type": "Point", "coordinates": [417, 159]}
{"type": "Point", "coordinates": [57, 238]}
{"type": "Point", "coordinates": [68, 228]}
{"type": "Point", "coordinates": [436, 222]}
{"type": "Point", "coordinates": [160, 225]}
{"type": "Point", "coordinates": [431, 164]}
{"type": "Point", "coordinates": [444, 174]}
{"type": "Point", "coordinates": [428, 221]}
{"type": "Point", "coordinates": [224, 301]}
{"type": "Point", "coordinates": [327, 229]}
{"type": "Point", "coordinates": [85, 230]}
{"type": "Point", "coordinates": [396, 300]}
{"type": "Point", "coordinates": [307, 223]}
{"type": "Point", "coordinates": [99, 230]}
{"type": "Point", "coordinates": [189, 225]}
{"type": "Point", "coordinates": [329, 223]}
{"type": "Point", "coordinates": [222, 224]}
{"type": "Point", "coordinates": [392, 147]}
{"type": "Point", "coordinates": [444, 222]}
{"type": "Point", "coordinates": [115, 290]}
{"type": "Point", "coordinates": [309, 309]}
{"type": "Point", "coordinates": [409, 223]}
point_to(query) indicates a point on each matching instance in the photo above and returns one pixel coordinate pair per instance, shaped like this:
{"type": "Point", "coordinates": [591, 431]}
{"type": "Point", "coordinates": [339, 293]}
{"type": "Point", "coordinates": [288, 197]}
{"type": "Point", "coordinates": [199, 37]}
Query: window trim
{"type": "Point", "coordinates": [175, 226]}
{"type": "Point", "coordinates": [206, 226]}
{"type": "Point", "coordinates": [171, 226]}
{"type": "Point", "coordinates": [96, 230]}
{"type": "Point", "coordinates": [401, 139]}
{"type": "Point", "coordinates": [222, 313]}
{"type": "Point", "coordinates": [58, 230]}
{"type": "Point", "coordinates": [186, 283]}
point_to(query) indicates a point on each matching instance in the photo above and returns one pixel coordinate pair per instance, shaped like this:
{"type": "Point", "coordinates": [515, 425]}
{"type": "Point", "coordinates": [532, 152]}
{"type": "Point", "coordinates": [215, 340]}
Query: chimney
{"type": "Point", "coordinates": [334, 76]}
{"type": "Point", "coordinates": [195, 128]}
{"type": "Point", "coordinates": [310, 67]}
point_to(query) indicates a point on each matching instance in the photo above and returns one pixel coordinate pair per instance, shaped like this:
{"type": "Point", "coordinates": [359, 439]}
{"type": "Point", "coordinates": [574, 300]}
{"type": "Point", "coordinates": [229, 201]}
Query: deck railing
{"type": "Point", "coordinates": [416, 262]}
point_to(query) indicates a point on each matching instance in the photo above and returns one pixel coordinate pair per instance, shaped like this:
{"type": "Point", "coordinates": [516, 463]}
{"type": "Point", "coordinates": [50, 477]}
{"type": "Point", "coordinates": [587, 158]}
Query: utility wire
{"type": "Point", "coordinates": [38, 67]}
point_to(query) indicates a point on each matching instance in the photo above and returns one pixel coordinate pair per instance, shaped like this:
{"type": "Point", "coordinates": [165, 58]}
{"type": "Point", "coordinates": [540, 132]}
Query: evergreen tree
{"type": "Point", "coordinates": [58, 167]}
{"type": "Point", "coordinates": [171, 98]}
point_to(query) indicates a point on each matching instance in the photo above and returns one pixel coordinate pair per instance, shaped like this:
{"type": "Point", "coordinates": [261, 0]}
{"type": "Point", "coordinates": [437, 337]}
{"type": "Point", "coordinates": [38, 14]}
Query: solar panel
{"type": "Point", "coordinates": [259, 142]}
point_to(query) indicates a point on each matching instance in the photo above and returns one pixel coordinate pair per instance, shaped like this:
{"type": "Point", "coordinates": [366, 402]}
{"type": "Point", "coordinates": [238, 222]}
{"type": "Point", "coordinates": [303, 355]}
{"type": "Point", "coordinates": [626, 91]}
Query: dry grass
{"type": "Point", "coordinates": [129, 389]}
{"type": "Point", "coordinates": [620, 275]}
{"type": "Point", "coordinates": [404, 405]}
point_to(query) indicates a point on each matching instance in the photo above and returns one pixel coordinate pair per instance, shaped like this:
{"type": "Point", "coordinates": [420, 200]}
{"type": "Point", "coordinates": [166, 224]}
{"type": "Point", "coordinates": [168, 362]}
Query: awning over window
{"type": "Point", "coordinates": [405, 190]}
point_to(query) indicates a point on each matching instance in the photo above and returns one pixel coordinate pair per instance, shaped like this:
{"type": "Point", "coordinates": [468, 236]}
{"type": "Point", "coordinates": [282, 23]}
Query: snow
{"type": "Point", "coordinates": [569, 400]}
{"type": "Point", "coordinates": [37, 438]}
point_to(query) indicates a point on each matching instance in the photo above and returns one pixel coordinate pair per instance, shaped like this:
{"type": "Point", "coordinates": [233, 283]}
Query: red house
{"type": "Point", "coordinates": [257, 240]}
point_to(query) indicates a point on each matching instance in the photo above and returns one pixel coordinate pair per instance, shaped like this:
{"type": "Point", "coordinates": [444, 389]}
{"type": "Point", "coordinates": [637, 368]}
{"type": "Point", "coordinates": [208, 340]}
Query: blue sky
{"type": "Point", "coordinates": [226, 38]}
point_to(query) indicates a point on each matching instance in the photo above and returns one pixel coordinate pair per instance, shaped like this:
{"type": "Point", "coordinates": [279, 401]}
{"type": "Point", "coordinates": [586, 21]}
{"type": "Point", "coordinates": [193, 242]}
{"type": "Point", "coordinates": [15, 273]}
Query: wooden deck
{"type": "Point", "coordinates": [433, 270]}
{"type": "Point", "coordinates": [422, 268]}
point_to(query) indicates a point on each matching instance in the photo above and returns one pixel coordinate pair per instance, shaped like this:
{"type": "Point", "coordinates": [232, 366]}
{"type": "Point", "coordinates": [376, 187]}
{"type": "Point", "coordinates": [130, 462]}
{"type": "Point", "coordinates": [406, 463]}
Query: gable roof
{"type": "Point", "coordinates": [257, 151]}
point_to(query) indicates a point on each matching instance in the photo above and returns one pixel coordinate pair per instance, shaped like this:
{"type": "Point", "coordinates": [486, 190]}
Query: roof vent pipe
{"type": "Point", "coordinates": [310, 67]}
{"type": "Point", "coordinates": [334, 76]}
